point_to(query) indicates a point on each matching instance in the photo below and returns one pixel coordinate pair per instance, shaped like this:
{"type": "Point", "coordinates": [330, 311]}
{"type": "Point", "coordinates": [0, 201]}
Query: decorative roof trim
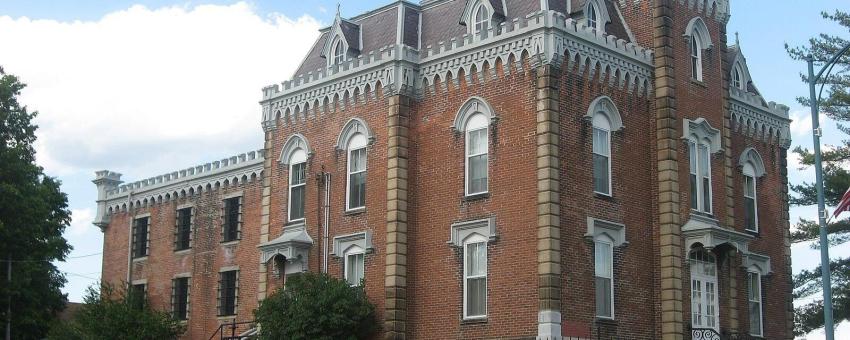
{"type": "Point", "coordinates": [353, 126]}
{"type": "Point", "coordinates": [751, 118]}
{"type": "Point", "coordinates": [460, 231]}
{"type": "Point", "coordinates": [615, 232]}
{"type": "Point", "coordinates": [294, 142]}
{"type": "Point", "coordinates": [752, 157]}
{"type": "Point", "coordinates": [606, 106]}
{"type": "Point", "coordinates": [294, 245]}
{"type": "Point", "coordinates": [472, 106]}
{"type": "Point", "coordinates": [701, 129]}
{"type": "Point", "coordinates": [698, 25]}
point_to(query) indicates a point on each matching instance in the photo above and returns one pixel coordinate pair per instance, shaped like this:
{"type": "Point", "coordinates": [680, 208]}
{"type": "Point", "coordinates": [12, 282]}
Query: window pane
{"type": "Point", "coordinates": [357, 190]}
{"type": "Point", "coordinates": [696, 303]}
{"type": "Point", "coordinates": [710, 307]}
{"type": "Point", "coordinates": [706, 195]}
{"type": "Point", "coordinates": [296, 208]}
{"type": "Point", "coordinates": [357, 160]}
{"type": "Point", "coordinates": [478, 174]}
{"type": "Point", "coordinates": [298, 174]}
{"type": "Point", "coordinates": [600, 142]}
{"type": "Point", "coordinates": [603, 297]}
{"type": "Point", "coordinates": [750, 213]}
{"type": "Point", "coordinates": [603, 259]}
{"type": "Point", "coordinates": [600, 174]}
{"type": "Point", "coordinates": [476, 303]}
{"type": "Point", "coordinates": [477, 143]}
{"type": "Point", "coordinates": [476, 259]}
{"type": "Point", "coordinates": [755, 318]}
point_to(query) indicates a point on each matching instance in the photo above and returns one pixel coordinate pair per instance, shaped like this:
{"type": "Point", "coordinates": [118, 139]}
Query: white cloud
{"type": "Point", "coordinates": [144, 85]}
{"type": "Point", "coordinates": [81, 221]}
{"type": "Point", "coordinates": [801, 123]}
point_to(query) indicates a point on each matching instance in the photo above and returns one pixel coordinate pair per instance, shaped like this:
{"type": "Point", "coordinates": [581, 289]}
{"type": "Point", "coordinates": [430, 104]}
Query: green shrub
{"type": "Point", "coordinates": [316, 306]}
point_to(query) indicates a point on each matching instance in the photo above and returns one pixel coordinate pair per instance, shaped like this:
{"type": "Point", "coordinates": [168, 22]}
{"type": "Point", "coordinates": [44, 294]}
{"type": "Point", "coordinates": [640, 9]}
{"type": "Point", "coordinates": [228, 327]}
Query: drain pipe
{"type": "Point", "coordinates": [327, 179]}
{"type": "Point", "coordinates": [130, 239]}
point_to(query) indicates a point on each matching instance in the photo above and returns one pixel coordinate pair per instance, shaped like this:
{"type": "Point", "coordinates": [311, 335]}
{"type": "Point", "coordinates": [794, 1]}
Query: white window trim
{"type": "Point", "coordinates": [748, 172]}
{"type": "Point", "coordinates": [461, 231]}
{"type": "Point", "coordinates": [485, 24]}
{"type": "Point", "coordinates": [610, 244]}
{"type": "Point", "coordinates": [349, 173]}
{"type": "Point", "coordinates": [695, 147]}
{"type": "Point", "coordinates": [292, 187]}
{"type": "Point", "coordinates": [706, 279]}
{"type": "Point", "coordinates": [738, 77]}
{"type": "Point", "coordinates": [697, 31]}
{"type": "Point", "coordinates": [760, 301]}
{"type": "Point", "coordinates": [474, 239]}
{"type": "Point", "coordinates": [602, 15]}
{"type": "Point", "coordinates": [350, 253]}
{"type": "Point", "coordinates": [486, 151]}
{"type": "Point", "coordinates": [361, 239]}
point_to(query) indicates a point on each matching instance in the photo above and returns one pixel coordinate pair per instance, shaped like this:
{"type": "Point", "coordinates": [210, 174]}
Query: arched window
{"type": "Point", "coordinates": [738, 77]}
{"type": "Point", "coordinates": [704, 311]}
{"type": "Point", "coordinates": [696, 57]}
{"type": "Point", "coordinates": [477, 154]}
{"type": "Point", "coordinates": [592, 15]}
{"type": "Point", "coordinates": [356, 190]}
{"type": "Point", "coordinates": [338, 51]}
{"type": "Point", "coordinates": [700, 174]}
{"type": "Point", "coordinates": [750, 199]}
{"type": "Point", "coordinates": [297, 183]}
{"type": "Point", "coordinates": [482, 18]}
{"type": "Point", "coordinates": [475, 277]}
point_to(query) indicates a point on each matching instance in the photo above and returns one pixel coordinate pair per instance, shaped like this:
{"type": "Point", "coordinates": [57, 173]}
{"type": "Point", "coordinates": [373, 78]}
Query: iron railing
{"type": "Point", "coordinates": [712, 334]}
{"type": "Point", "coordinates": [235, 331]}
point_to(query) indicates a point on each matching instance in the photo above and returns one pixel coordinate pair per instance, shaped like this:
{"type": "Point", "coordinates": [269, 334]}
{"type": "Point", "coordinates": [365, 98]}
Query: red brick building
{"type": "Point", "coordinates": [491, 169]}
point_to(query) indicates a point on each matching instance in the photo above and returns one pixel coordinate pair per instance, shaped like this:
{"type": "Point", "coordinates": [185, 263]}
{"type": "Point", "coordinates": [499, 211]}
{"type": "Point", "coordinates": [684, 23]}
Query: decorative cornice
{"type": "Point", "coordinates": [231, 171]}
{"type": "Point", "coordinates": [769, 123]}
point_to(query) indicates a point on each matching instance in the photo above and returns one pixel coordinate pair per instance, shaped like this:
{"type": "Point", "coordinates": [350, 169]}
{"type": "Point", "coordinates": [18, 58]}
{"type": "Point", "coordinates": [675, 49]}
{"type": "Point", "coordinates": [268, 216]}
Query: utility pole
{"type": "Point", "coordinates": [826, 275]}
{"type": "Point", "coordinates": [9, 302]}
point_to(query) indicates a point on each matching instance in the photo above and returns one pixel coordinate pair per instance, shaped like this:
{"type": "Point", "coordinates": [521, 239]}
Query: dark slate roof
{"type": "Point", "coordinates": [558, 5]}
{"type": "Point", "coordinates": [351, 33]}
{"type": "Point", "coordinates": [411, 27]}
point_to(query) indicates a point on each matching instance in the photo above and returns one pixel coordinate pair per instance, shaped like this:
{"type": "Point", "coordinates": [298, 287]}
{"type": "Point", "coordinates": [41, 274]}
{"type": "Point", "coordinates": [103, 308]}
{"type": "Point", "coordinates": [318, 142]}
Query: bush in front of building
{"type": "Point", "coordinates": [111, 313]}
{"type": "Point", "coordinates": [316, 306]}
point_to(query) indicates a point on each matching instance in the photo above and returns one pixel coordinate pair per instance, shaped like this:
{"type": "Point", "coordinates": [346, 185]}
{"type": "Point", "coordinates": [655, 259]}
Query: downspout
{"type": "Point", "coordinates": [130, 238]}
{"type": "Point", "coordinates": [327, 179]}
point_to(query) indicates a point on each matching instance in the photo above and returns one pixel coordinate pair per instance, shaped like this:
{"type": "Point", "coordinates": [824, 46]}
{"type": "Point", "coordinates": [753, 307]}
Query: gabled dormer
{"type": "Point", "coordinates": [480, 15]}
{"type": "Point", "coordinates": [345, 40]}
{"type": "Point", "coordinates": [740, 80]}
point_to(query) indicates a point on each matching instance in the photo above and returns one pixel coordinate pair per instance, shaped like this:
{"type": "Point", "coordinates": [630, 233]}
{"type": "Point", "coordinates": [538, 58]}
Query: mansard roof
{"type": "Point", "coordinates": [430, 23]}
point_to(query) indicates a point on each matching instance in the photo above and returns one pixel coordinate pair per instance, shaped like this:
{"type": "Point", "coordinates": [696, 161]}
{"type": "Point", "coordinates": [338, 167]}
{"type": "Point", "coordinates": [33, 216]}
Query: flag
{"type": "Point", "coordinates": [843, 205]}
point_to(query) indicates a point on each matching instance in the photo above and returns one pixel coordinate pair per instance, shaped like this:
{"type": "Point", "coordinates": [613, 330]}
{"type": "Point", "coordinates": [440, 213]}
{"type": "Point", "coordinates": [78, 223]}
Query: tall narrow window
{"type": "Point", "coordinates": [754, 297]}
{"type": "Point", "coordinates": [750, 199]}
{"type": "Point", "coordinates": [232, 217]}
{"type": "Point", "coordinates": [183, 232]}
{"type": "Point", "coordinates": [696, 57]}
{"type": "Point", "coordinates": [604, 268]}
{"type": "Point", "coordinates": [475, 278]}
{"type": "Point", "coordinates": [228, 288]}
{"type": "Point", "coordinates": [700, 176]}
{"type": "Point", "coordinates": [482, 18]}
{"type": "Point", "coordinates": [601, 154]}
{"type": "Point", "coordinates": [356, 191]}
{"type": "Point", "coordinates": [703, 290]}
{"type": "Point", "coordinates": [355, 265]}
{"type": "Point", "coordinates": [140, 237]}
{"type": "Point", "coordinates": [477, 154]}
{"type": "Point", "coordinates": [138, 295]}
{"type": "Point", "coordinates": [297, 183]}
{"type": "Point", "coordinates": [180, 298]}
{"type": "Point", "coordinates": [592, 16]}
{"type": "Point", "coordinates": [338, 52]}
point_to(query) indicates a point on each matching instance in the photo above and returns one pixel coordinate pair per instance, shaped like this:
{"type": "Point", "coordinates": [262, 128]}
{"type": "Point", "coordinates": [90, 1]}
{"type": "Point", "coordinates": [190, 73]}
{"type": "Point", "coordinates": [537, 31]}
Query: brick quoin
{"type": "Point", "coordinates": [539, 70]}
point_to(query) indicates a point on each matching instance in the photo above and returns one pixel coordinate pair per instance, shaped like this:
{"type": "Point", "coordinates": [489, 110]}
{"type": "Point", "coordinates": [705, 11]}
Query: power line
{"type": "Point", "coordinates": [67, 258]}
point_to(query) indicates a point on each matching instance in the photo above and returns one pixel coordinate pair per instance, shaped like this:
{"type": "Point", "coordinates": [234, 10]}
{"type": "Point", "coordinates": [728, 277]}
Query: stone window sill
{"type": "Point", "coordinates": [699, 83]}
{"type": "Point", "coordinates": [355, 211]}
{"type": "Point", "coordinates": [140, 259]}
{"type": "Point", "coordinates": [183, 251]}
{"type": "Point", "coordinates": [476, 197]}
{"type": "Point", "coordinates": [604, 197]}
{"type": "Point", "coordinates": [230, 243]}
{"type": "Point", "coordinates": [474, 321]}
{"type": "Point", "coordinates": [605, 321]}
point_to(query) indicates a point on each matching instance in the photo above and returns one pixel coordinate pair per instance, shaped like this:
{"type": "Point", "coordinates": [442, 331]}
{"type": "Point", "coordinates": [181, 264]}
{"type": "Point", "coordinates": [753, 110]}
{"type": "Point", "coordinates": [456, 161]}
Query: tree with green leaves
{"type": "Point", "coordinates": [316, 306]}
{"type": "Point", "coordinates": [835, 103]}
{"type": "Point", "coordinates": [33, 215]}
{"type": "Point", "coordinates": [115, 313]}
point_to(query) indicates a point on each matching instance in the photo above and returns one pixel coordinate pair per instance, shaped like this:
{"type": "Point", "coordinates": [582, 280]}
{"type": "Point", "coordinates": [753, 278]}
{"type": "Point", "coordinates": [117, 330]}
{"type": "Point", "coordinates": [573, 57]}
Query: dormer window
{"type": "Point", "coordinates": [737, 77]}
{"type": "Point", "coordinates": [592, 15]}
{"type": "Point", "coordinates": [482, 18]}
{"type": "Point", "coordinates": [698, 38]}
{"type": "Point", "coordinates": [338, 52]}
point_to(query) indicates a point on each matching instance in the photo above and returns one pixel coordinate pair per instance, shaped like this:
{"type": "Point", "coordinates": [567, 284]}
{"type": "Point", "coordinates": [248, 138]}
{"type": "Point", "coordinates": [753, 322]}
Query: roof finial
{"type": "Point", "coordinates": [737, 42]}
{"type": "Point", "coordinates": [338, 5]}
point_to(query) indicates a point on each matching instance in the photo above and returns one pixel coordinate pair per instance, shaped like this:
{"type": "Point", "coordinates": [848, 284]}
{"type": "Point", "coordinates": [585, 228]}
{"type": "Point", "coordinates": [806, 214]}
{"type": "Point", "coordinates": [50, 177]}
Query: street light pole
{"type": "Point", "coordinates": [824, 245]}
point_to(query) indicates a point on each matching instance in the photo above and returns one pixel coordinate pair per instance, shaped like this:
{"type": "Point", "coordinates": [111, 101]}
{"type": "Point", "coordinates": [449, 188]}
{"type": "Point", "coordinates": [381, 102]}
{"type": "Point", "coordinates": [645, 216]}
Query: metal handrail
{"type": "Point", "coordinates": [232, 327]}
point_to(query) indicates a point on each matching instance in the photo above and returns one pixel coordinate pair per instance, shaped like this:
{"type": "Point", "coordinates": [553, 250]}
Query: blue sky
{"type": "Point", "coordinates": [93, 67]}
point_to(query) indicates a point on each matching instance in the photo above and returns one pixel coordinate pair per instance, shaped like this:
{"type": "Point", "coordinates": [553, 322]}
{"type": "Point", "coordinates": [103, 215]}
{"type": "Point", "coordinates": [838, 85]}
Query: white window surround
{"type": "Point", "coordinates": [477, 149]}
{"type": "Point", "coordinates": [471, 10]}
{"type": "Point", "coordinates": [293, 143]}
{"type": "Point", "coordinates": [482, 17]}
{"type": "Point", "coordinates": [356, 149]}
{"type": "Point", "coordinates": [604, 105]}
{"type": "Point", "coordinates": [758, 263]}
{"type": "Point", "coordinates": [461, 231]}
{"type": "Point", "coordinates": [338, 51]}
{"type": "Point", "coordinates": [698, 130]}
{"type": "Point", "coordinates": [698, 39]}
{"type": "Point", "coordinates": [605, 230]}
{"type": "Point", "coordinates": [751, 193]}
{"type": "Point", "coordinates": [361, 240]}
{"type": "Point", "coordinates": [471, 107]}
{"type": "Point", "coordinates": [755, 299]}
{"type": "Point", "coordinates": [297, 158]}
{"type": "Point", "coordinates": [738, 79]}
{"type": "Point", "coordinates": [478, 243]}
{"type": "Point", "coordinates": [704, 291]}
{"type": "Point", "coordinates": [354, 268]}
{"type": "Point", "coordinates": [753, 158]}
{"type": "Point", "coordinates": [352, 127]}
